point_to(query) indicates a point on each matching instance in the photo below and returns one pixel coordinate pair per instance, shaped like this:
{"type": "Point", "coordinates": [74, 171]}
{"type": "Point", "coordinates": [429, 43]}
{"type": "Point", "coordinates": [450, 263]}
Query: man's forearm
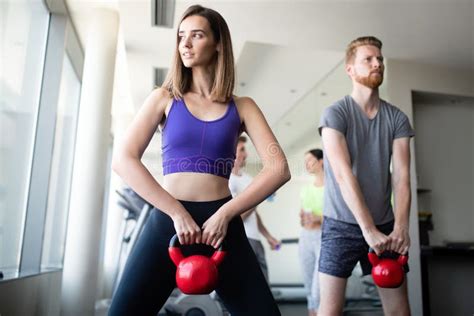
{"type": "Point", "coordinates": [402, 200]}
{"type": "Point", "coordinates": [261, 228]}
{"type": "Point", "coordinates": [339, 158]}
{"type": "Point", "coordinates": [352, 195]}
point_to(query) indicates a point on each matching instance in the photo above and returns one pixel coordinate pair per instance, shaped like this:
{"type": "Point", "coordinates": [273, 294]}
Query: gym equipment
{"type": "Point", "coordinates": [194, 305]}
{"type": "Point", "coordinates": [136, 211]}
{"type": "Point", "coordinates": [387, 272]}
{"type": "Point", "coordinates": [195, 274]}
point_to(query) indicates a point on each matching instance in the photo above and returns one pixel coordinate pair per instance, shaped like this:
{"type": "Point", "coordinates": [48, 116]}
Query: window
{"type": "Point", "coordinates": [23, 34]}
{"type": "Point", "coordinates": [61, 168]}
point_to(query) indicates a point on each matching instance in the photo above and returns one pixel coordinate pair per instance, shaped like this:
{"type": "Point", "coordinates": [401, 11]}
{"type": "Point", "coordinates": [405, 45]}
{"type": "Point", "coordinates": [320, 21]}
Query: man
{"type": "Point", "coordinates": [238, 181]}
{"type": "Point", "coordinates": [361, 135]}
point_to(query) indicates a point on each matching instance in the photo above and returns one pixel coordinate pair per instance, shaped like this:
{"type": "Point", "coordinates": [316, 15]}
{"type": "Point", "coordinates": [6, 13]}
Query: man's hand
{"type": "Point", "coordinates": [376, 240]}
{"type": "Point", "coordinates": [400, 240]}
{"type": "Point", "coordinates": [274, 243]}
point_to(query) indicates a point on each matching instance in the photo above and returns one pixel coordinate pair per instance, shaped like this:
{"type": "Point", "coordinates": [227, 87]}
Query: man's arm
{"type": "Point", "coordinates": [337, 153]}
{"type": "Point", "coordinates": [272, 241]}
{"type": "Point", "coordinates": [400, 239]}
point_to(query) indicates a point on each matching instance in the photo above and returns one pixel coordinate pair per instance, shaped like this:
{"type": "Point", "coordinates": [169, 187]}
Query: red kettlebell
{"type": "Point", "coordinates": [195, 274]}
{"type": "Point", "coordinates": [387, 272]}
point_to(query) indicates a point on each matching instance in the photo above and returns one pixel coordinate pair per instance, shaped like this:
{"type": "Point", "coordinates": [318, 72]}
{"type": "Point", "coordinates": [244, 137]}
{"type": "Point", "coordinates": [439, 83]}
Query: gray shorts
{"type": "Point", "coordinates": [343, 245]}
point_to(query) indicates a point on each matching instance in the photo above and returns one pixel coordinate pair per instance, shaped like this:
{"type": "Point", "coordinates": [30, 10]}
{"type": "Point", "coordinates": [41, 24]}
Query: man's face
{"type": "Point", "coordinates": [241, 154]}
{"type": "Point", "coordinates": [367, 67]}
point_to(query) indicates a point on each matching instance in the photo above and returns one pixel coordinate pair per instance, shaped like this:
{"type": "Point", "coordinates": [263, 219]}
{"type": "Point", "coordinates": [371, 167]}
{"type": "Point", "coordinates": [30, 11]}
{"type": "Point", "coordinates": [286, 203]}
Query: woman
{"type": "Point", "coordinates": [200, 121]}
{"type": "Point", "coordinates": [312, 196]}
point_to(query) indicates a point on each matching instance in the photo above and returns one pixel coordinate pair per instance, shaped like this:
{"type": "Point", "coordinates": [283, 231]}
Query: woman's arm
{"type": "Point", "coordinates": [275, 171]}
{"type": "Point", "coordinates": [246, 214]}
{"type": "Point", "coordinates": [127, 164]}
{"type": "Point", "coordinates": [274, 174]}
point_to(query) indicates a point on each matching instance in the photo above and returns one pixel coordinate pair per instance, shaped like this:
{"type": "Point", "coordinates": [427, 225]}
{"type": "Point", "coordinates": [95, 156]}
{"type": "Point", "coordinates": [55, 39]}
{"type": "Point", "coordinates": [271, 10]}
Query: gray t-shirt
{"type": "Point", "coordinates": [369, 142]}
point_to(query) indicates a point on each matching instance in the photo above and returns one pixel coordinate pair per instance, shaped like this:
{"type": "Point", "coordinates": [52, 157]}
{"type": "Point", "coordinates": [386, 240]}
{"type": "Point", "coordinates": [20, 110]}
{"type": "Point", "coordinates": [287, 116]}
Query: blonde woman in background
{"type": "Point", "coordinates": [311, 215]}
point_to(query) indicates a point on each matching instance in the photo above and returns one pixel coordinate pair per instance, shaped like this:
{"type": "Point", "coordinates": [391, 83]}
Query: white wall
{"type": "Point", "coordinates": [444, 157]}
{"type": "Point", "coordinates": [281, 217]}
{"type": "Point", "coordinates": [402, 79]}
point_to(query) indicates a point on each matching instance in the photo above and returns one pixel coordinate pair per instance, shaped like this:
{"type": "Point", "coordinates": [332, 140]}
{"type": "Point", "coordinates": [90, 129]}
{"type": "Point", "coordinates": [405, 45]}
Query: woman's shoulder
{"type": "Point", "coordinates": [161, 97]}
{"type": "Point", "coordinates": [245, 104]}
{"type": "Point", "coordinates": [160, 94]}
{"type": "Point", "coordinates": [244, 101]}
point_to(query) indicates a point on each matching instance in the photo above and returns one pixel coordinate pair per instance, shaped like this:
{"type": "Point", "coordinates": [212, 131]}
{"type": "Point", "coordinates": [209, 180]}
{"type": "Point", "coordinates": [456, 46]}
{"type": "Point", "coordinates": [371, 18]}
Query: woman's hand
{"type": "Point", "coordinates": [309, 218]}
{"type": "Point", "coordinates": [313, 219]}
{"type": "Point", "coordinates": [302, 217]}
{"type": "Point", "coordinates": [186, 228]}
{"type": "Point", "coordinates": [215, 229]}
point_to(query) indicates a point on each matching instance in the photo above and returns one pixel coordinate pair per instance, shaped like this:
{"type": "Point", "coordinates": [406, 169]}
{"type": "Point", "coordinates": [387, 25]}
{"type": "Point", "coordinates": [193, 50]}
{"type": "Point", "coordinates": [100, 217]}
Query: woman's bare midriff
{"type": "Point", "coordinates": [196, 187]}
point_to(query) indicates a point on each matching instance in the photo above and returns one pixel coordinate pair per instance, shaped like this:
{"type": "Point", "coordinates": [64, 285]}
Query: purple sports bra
{"type": "Point", "coordinates": [193, 145]}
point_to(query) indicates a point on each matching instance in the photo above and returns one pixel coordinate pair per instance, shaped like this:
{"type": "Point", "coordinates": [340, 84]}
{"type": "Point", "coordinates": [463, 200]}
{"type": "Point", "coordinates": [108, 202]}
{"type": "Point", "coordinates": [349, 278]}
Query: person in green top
{"type": "Point", "coordinates": [311, 215]}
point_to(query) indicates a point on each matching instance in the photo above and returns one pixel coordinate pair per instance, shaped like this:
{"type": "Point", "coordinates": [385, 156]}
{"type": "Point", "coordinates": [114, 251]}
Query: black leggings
{"type": "Point", "coordinates": [149, 275]}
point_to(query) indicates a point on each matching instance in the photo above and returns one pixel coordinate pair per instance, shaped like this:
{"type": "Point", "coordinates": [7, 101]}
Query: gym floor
{"type": "Point", "coordinates": [299, 309]}
{"type": "Point", "coordinates": [293, 309]}
{"type": "Point", "coordinates": [287, 309]}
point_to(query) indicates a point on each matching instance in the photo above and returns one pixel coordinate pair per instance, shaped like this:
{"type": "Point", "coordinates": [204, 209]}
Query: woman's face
{"type": "Point", "coordinates": [196, 43]}
{"type": "Point", "coordinates": [312, 164]}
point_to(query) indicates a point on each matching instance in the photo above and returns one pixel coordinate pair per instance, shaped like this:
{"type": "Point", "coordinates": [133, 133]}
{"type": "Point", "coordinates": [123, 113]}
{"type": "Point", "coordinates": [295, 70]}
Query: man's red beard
{"type": "Point", "coordinates": [371, 81]}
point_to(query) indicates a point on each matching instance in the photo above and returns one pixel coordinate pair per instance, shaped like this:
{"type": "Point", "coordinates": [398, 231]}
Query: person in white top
{"type": "Point", "coordinates": [238, 182]}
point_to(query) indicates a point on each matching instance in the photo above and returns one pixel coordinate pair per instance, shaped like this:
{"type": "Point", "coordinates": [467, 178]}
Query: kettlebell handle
{"type": "Point", "coordinates": [174, 242]}
{"type": "Point", "coordinates": [374, 259]}
{"type": "Point", "coordinates": [176, 254]}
